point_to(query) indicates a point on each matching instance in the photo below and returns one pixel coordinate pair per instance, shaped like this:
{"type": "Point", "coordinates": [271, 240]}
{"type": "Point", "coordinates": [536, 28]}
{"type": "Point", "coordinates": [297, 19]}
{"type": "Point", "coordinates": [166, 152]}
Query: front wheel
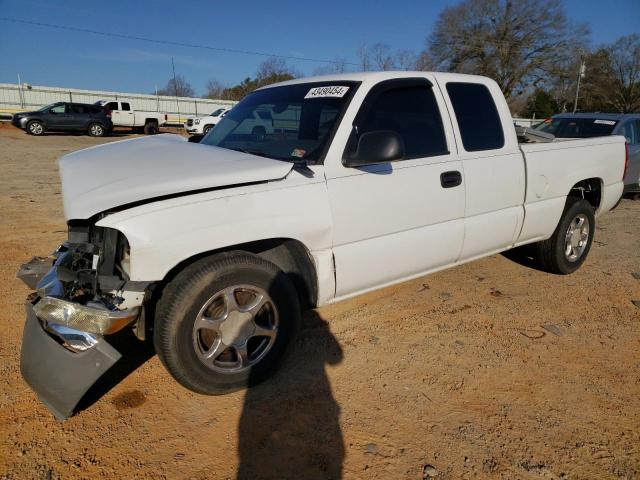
{"type": "Point", "coordinates": [225, 322]}
{"type": "Point", "coordinates": [35, 127]}
{"type": "Point", "coordinates": [570, 243]}
{"type": "Point", "coordinates": [206, 129]}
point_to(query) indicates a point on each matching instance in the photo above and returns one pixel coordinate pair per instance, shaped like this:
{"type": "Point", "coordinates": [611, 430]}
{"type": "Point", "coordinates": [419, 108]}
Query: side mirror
{"type": "Point", "coordinates": [378, 146]}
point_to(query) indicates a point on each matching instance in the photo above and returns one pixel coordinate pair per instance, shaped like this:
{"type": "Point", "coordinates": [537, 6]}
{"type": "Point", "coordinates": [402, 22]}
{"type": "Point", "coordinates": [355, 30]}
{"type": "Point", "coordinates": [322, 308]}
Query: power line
{"type": "Point", "coordinates": [171, 42]}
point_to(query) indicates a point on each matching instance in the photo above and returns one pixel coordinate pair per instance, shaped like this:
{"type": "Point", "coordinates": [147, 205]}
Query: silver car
{"type": "Point", "coordinates": [585, 125]}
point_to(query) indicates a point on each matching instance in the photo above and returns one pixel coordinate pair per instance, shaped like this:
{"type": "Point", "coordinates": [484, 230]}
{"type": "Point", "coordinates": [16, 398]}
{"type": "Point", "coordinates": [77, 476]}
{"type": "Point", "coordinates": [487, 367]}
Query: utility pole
{"type": "Point", "coordinates": [20, 91]}
{"type": "Point", "coordinates": [175, 87]}
{"type": "Point", "coordinates": [583, 69]}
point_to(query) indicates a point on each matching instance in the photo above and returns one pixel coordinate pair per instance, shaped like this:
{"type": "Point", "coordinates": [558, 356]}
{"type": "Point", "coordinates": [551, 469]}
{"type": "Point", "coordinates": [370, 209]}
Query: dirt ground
{"type": "Point", "coordinates": [489, 370]}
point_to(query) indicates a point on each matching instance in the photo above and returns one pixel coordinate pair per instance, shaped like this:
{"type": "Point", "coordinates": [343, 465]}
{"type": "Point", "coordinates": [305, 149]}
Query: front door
{"type": "Point", "coordinates": [58, 117]}
{"type": "Point", "coordinates": [397, 220]}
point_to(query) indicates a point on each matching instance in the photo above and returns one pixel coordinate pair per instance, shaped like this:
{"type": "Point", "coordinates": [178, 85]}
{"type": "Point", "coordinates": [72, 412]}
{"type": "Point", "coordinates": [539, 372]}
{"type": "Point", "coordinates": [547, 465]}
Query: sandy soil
{"type": "Point", "coordinates": [489, 370]}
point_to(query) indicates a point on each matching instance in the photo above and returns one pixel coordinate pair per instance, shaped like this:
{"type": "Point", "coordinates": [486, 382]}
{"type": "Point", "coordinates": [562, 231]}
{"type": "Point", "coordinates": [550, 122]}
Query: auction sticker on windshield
{"type": "Point", "coordinates": [328, 91]}
{"type": "Point", "coordinates": [605, 122]}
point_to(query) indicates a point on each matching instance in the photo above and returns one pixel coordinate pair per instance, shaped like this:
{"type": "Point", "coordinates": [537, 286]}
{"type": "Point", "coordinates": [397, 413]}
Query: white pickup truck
{"type": "Point", "coordinates": [202, 125]}
{"type": "Point", "coordinates": [367, 179]}
{"type": "Point", "coordinates": [123, 115]}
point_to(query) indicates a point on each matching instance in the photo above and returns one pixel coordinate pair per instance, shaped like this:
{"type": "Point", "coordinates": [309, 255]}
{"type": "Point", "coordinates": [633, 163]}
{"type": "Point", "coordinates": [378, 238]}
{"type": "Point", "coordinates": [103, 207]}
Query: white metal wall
{"type": "Point", "coordinates": [15, 99]}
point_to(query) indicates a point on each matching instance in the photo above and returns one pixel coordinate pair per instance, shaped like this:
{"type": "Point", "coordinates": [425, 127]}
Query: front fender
{"type": "Point", "coordinates": [163, 234]}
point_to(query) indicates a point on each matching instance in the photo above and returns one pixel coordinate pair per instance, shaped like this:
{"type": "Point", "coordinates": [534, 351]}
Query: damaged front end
{"type": "Point", "coordinates": [82, 293]}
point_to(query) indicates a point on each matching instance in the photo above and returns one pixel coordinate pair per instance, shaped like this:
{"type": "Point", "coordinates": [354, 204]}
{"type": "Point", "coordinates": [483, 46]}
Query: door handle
{"type": "Point", "coordinates": [450, 179]}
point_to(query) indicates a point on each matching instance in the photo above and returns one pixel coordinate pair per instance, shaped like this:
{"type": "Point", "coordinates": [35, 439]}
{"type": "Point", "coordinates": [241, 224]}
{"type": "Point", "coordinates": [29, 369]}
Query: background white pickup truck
{"type": "Point", "coordinates": [364, 180]}
{"type": "Point", "coordinates": [202, 125]}
{"type": "Point", "coordinates": [123, 115]}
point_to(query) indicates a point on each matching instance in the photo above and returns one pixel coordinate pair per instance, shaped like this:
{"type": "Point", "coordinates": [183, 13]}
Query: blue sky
{"type": "Point", "coordinates": [325, 30]}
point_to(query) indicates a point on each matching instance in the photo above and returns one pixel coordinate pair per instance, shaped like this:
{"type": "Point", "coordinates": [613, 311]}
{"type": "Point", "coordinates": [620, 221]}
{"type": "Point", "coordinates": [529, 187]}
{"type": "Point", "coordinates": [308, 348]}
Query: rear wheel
{"type": "Point", "coordinates": [570, 243]}
{"type": "Point", "coordinates": [151, 128]}
{"type": "Point", "coordinates": [225, 322]}
{"type": "Point", "coordinates": [96, 130]}
{"type": "Point", "coordinates": [35, 127]}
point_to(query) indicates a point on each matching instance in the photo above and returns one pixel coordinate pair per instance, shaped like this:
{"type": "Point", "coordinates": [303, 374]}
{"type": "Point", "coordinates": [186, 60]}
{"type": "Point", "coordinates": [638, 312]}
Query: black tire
{"type": "Point", "coordinates": [552, 254]}
{"type": "Point", "coordinates": [151, 128]}
{"type": "Point", "coordinates": [35, 127]}
{"type": "Point", "coordinates": [96, 130]}
{"type": "Point", "coordinates": [186, 296]}
{"type": "Point", "coordinates": [206, 129]}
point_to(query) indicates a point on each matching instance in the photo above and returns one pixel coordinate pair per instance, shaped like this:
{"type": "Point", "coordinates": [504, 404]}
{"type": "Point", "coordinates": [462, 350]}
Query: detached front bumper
{"type": "Point", "coordinates": [63, 350]}
{"type": "Point", "coordinates": [61, 377]}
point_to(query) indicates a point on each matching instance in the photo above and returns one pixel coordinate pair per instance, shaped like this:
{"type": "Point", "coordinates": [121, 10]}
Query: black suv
{"type": "Point", "coordinates": [65, 117]}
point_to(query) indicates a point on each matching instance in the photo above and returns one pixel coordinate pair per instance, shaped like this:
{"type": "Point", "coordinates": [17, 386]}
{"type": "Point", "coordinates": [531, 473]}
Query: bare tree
{"type": "Point", "coordinates": [424, 62]}
{"type": "Point", "coordinates": [624, 72]}
{"type": "Point", "coordinates": [364, 58]}
{"type": "Point", "coordinates": [215, 89]}
{"type": "Point", "coordinates": [406, 60]}
{"type": "Point", "coordinates": [339, 65]}
{"type": "Point", "coordinates": [178, 88]}
{"type": "Point", "coordinates": [275, 67]}
{"type": "Point", "coordinates": [514, 42]}
{"type": "Point", "coordinates": [382, 57]}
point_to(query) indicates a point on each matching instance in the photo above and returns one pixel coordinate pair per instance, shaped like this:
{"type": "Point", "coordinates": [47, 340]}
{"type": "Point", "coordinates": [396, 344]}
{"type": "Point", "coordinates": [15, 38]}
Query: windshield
{"type": "Point", "coordinates": [216, 112]}
{"type": "Point", "coordinates": [577, 127]}
{"type": "Point", "coordinates": [50, 106]}
{"type": "Point", "coordinates": [292, 122]}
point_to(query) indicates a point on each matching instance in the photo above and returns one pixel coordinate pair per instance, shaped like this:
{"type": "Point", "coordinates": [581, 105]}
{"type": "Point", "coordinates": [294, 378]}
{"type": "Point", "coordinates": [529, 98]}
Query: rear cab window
{"type": "Point", "coordinates": [477, 116]}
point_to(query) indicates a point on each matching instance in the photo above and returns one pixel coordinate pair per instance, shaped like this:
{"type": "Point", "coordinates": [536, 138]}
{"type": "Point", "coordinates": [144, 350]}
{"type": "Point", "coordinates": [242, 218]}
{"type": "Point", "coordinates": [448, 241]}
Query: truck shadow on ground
{"type": "Point", "coordinates": [290, 424]}
{"type": "Point", "coordinates": [525, 256]}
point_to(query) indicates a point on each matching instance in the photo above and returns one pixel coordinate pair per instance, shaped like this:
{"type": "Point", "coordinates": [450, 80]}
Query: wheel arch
{"type": "Point", "coordinates": [288, 254]}
{"type": "Point", "coordinates": [37, 119]}
{"type": "Point", "coordinates": [590, 189]}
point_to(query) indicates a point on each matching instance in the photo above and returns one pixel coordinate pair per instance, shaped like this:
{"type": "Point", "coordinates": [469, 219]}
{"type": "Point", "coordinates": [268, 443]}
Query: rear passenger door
{"type": "Point", "coordinates": [397, 220]}
{"type": "Point", "coordinates": [78, 116]}
{"type": "Point", "coordinates": [493, 165]}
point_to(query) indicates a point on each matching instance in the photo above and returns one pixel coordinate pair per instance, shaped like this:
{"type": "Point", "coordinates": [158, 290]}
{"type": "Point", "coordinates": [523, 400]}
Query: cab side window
{"type": "Point", "coordinates": [477, 115]}
{"type": "Point", "coordinates": [413, 113]}
{"type": "Point", "coordinates": [126, 107]}
{"type": "Point", "coordinates": [111, 106]}
{"type": "Point", "coordinates": [58, 109]}
{"type": "Point", "coordinates": [77, 109]}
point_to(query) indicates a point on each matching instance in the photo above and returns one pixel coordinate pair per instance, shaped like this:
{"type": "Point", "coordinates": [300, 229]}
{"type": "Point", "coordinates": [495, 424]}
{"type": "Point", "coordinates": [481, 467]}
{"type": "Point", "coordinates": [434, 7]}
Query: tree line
{"type": "Point", "coordinates": [529, 47]}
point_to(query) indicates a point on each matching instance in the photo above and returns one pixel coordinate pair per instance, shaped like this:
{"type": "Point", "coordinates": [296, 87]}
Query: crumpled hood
{"type": "Point", "coordinates": [111, 175]}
